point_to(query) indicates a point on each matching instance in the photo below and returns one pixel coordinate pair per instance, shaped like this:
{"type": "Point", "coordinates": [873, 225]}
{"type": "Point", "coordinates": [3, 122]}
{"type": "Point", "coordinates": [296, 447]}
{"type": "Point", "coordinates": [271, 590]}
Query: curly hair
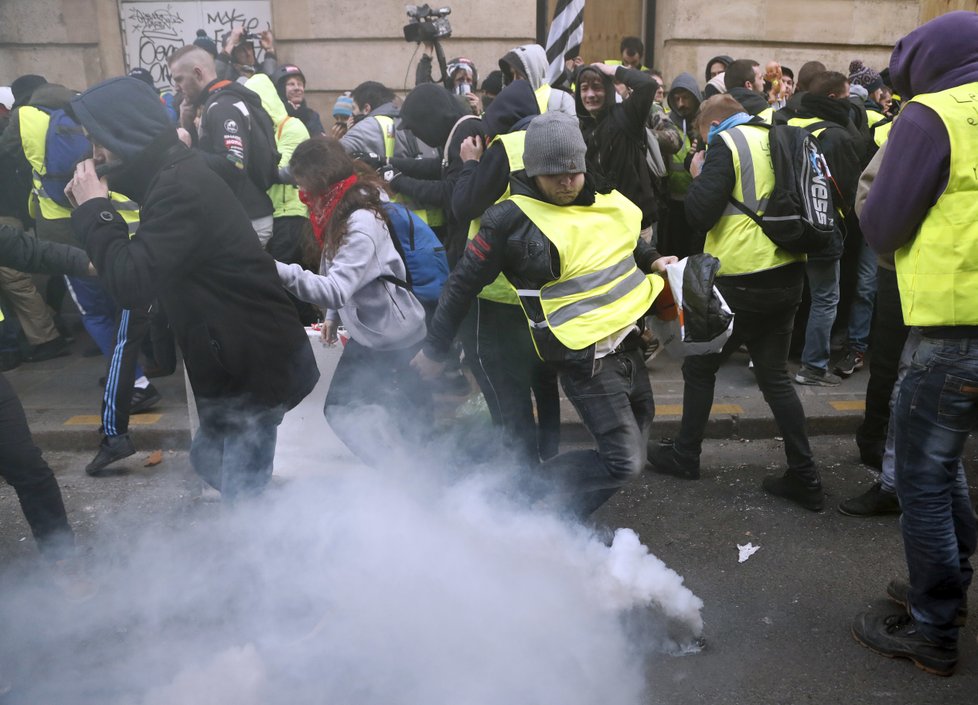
{"type": "Point", "coordinates": [321, 162]}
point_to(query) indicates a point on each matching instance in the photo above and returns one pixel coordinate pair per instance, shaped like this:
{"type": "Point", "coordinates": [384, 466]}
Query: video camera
{"type": "Point", "coordinates": [427, 25]}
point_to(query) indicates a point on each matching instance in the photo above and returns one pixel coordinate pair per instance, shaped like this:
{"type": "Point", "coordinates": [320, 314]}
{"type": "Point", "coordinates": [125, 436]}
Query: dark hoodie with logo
{"type": "Point", "coordinates": [482, 182]}
{"type": "Point", "coordinates": [914, 172]}
{"type": "Point", "coordinates": [431, 113]}
{"type": "Point", "coordinates": [195, 251]}
{"type": "Point", "coordinates": [615, 139]}
{"type": "Point", "coordinates": [226, 141]}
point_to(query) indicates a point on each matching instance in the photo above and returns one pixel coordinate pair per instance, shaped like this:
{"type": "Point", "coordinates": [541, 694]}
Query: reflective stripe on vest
{"type": "Point", "coordinates": [600, 290]}
{"type": "Point", "coordinates": [386, 123]}
{"type": "Point", "coordinates": [736, 240]}
{"type": "Point", "coordinates": [33, 137]}
{"type": "Point", "coordinates": [500, 290]}
{"type": "Point", "coordinates": [936, 270]}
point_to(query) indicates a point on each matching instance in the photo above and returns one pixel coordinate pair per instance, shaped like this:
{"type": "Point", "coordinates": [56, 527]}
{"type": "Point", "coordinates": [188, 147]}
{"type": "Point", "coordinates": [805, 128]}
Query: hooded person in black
{"type": "Point", "coordinates": [711, 70]}
{"type": "Point", "coordinates": [615, 132]}
{"type": "Point", "coordinates": [437, 118]}
{"type": "Point", "coordinates": [684, 102]}
{"type": "Point", "coordinates": [247, 355]}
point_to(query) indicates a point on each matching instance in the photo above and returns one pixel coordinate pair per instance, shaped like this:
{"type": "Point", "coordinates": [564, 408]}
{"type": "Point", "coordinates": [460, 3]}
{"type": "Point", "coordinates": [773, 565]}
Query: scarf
{"type": "Point", "coordinates": [732, 121]}
{"type": "Point", "coordinates": [322, 206]}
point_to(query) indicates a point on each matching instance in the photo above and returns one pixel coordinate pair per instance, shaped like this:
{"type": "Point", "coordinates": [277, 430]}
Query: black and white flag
{"type": "Point", "coordinates": [566, 33]}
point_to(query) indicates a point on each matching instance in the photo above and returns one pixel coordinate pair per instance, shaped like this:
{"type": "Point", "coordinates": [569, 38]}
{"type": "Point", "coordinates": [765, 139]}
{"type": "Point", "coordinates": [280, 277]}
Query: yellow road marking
{"type": "Point", "coordinates": [852, 405]}
{"type": "Point", "coordinates": [94, 420]}
{"type": "Point", "coordinates": [677, 409]}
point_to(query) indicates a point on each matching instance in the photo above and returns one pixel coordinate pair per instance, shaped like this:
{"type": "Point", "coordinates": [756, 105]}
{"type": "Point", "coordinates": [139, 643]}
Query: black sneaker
{"type": "Point", "coordinates": [899, 591]}
{"type": "Point", "coordinates": [111, 449]}
{"type": "Point", "coordinates": [816, 378]}
{"type": "Point", "coordinates": [897, 635]}
{"type": "Point", "coordinates": [49, 350]}
{"type": "Point", "coordinates": [791, 487]}
{"type": "Point", "coordinates": [144, 399]}
{"type": "Point", "coordinates": [666, 461]}
{"type": "Point", "coordinates": [851, 363]}
{"type": "Point", "coordinates": [873, 502]}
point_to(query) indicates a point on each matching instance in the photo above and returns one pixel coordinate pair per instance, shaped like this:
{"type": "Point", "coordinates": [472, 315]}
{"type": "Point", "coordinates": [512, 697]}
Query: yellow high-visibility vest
{"type": "Point", "coordinates": [736, 240]}
{"type": "Point", "coordinates": [937, 270]}
{"type": "Point", "coordinates": [600, 290]}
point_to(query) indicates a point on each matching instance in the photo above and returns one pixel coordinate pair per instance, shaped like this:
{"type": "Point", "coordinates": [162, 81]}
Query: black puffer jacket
{"type": "Point", "coordinates": [508, 242]}
{"type": "Point", "coordinates": [616, 139]}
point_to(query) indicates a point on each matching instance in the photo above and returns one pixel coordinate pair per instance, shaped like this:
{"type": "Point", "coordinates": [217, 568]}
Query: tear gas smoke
{"type": "Point", "coordinates": [356, 586]}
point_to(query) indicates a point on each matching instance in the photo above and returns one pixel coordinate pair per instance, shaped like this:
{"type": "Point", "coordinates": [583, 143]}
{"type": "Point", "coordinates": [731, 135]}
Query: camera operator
{"type": "Point", "coordinates": [462, 79]}
{"type": "Point", "coordinates": [237, 59]}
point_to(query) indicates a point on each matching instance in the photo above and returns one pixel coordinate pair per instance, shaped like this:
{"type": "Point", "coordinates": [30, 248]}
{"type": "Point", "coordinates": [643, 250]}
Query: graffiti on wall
{"type": "Point", "coordinates": [154, 30]}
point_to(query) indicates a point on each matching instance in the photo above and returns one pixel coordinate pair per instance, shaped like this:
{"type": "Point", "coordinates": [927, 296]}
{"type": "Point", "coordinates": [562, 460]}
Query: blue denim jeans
{"type": "Point", "coordinates": [935, 410]}
{"type": "Point", "coordinates": [614, 400]}
{"type": "Point", "coordinates": [861, 312]}
{"type": "Point", "coordinates": [823, 283]}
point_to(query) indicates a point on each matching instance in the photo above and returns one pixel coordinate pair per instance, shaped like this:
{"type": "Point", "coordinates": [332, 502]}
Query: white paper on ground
{"type": "Point", "coordinates": [746, 551]}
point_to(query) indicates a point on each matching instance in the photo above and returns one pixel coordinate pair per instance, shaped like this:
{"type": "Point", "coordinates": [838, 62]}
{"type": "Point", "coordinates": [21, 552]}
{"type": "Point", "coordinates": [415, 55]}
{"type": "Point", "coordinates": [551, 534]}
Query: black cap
{"type": "Point", "coordinates": [143, 75]}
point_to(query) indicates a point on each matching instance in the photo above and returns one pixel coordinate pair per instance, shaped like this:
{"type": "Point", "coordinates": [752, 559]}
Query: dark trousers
{"type": "Point", "coordinates": [763, 321]}
{"type": "Point", "coordinates": [512, 371]}
{"type": "Point", "coordinates": [121, 374]}
{"type": "Point", "coordinates": [615, 403]}
{"type": "Point", "coordinates": [377, 404]}
{"type": "Point", "coordinates": [889, 335]}
{"type": "Point", "coordinates": [23, 467]}
{"type": "Point", "coordinates": [234, 446]}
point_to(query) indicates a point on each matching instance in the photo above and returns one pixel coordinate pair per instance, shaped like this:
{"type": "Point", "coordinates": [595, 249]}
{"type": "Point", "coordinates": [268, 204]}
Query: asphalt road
{"type": "Point", "coordinates": [777, 625]}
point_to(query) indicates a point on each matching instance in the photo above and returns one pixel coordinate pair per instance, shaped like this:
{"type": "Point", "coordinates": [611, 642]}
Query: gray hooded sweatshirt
{"type": "Point", "coordinates": [533, 60]}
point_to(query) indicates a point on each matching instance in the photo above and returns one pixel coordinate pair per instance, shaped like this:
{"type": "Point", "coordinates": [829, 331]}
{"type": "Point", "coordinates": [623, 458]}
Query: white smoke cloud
{"type": "Point", "coordinates": [355, 586]}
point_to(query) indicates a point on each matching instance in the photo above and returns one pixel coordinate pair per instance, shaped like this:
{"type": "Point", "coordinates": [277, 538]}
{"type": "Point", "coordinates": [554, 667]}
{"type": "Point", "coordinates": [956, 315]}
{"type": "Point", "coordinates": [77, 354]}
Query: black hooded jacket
{"type": "Point", "coordinates": [510, 243]}
{"type": "Point", "coordinates": [227, 142]}
{"type": "Point", "coordinates": [752, 101]}
{"type": "Point", "coordinates": [482, 182]}
{"type": "Point", "coordinates": [195, 251]}
{"type": "Point", "coordinates": [431, 113]}
{"type": "Point", "coordinates": [615, 139]}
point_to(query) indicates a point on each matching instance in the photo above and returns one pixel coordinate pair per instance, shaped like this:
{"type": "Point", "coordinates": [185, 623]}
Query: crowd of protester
{"type": "Point", "coordinates": [222, 215]}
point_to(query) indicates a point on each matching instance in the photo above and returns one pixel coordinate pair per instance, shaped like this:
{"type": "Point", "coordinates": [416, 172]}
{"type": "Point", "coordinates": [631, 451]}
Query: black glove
{"type": "Point", "coordinates": [374, 161]}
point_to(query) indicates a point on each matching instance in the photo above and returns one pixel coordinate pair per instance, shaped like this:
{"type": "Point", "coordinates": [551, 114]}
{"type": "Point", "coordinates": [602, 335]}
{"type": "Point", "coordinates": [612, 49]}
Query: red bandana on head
{"type": "Point", "coordinates": [322, 207]}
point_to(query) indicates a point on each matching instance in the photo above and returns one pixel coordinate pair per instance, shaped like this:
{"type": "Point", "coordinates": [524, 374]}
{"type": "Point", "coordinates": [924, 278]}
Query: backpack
{"type": "Point", "coordinates": [422, 252]}
{"type": "Point", "coordinates": [263, 154]}
{"type": "Point", "coordinates": [65, 145]}
{"type": "Point", "coordinates": [798, 217]}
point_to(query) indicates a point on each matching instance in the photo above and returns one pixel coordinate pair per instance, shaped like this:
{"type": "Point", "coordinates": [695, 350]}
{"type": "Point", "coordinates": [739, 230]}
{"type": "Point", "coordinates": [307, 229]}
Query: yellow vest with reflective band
{"type": "Point", "coordinates": [937, 270]}
{"type": "Point", "coordinates": [500, 290]}
{"type": "Point", "coordinates": [874, 118]}
{"type": "Point", "coordinates": [543, 97]}
{"type": "Point", "coordinates": [767, 115]}
{"type": "Point", "coordinates": [432, 216]}
{"type": "Point", "coordinates": [736, 240]}
{"type": "Point", "coordinates": [679, 176]}
{"type": "Point", "coordinates": [33, 135]}
{"type": "Point", "coordinates": [600, 290]}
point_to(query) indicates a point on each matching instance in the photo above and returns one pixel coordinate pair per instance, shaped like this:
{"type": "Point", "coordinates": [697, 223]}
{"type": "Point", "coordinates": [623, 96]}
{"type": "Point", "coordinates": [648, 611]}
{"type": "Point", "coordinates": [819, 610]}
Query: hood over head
{"type": "Point", "coordinates": [722, 58]}
{"type": "Point", "coordinates": [430, 112]}
{"type": "Point", "coordinates": [514, 103]}
{"type": "Point", "coordinates": [609, 92]}
{"type": "Point", "coordinates": [24, 86]}
{"type": "Point", "coordinates": [684, 81]}
{"type": "Point", "coordinates": [938, 55]}
{"type": "Point", "coordinates": [532, 58]}
{"type": "Point", "coordinates": [124, 115]}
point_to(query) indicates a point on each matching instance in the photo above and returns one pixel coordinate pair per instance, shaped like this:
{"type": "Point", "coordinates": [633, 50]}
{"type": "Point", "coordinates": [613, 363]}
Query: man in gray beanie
{"type": "Point", "coordinates": [584, 280]}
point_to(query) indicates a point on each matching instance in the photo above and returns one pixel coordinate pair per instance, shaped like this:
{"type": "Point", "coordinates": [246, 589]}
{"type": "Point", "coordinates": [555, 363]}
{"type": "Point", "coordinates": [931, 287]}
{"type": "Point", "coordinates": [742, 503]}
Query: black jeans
{"type": "Point", "coordinates": [377, 404]}
{"type": "Point", "coordinates": [234, 446]}
{"type": "Point", "coordinates": [614, 400]}
{"type": "Point", "coordinates": [763, 321]}
{"type": "Point", "coordinates": [889, 335]}
{"type": "Point", "coordinates": [23, 467]}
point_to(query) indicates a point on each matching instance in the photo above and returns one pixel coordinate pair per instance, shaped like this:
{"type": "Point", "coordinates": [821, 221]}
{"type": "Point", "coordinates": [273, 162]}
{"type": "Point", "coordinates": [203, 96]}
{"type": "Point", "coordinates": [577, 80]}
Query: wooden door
{"type": "Point", "coordinates": [605, 23]}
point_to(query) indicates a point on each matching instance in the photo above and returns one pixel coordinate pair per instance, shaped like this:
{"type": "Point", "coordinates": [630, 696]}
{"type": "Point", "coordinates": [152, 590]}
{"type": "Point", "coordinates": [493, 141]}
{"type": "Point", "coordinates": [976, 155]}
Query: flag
{"type": "Point", "coordinates": [566, 33]}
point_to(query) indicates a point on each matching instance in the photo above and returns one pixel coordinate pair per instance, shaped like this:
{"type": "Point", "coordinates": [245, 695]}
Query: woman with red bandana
{"type": "Point", "coordinates": [359, 266]}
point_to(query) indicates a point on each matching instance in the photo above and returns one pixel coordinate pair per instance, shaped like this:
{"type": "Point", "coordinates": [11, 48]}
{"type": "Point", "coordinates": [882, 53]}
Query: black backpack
{"type": "Point", "coordinates": [263, 154]}
{"type": "Point", "coordinates": [799, 216]}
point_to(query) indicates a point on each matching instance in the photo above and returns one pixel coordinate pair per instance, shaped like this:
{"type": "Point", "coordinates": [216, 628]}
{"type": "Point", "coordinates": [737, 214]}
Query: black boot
{"type": "Point", "coordinates": [804, 488]}
{"type": "Point", "coordinates": [666, 460]}
{"type": "Point", "coordinates": [111, 449]}
{"type": "Point", "coordinates": [897, 635]}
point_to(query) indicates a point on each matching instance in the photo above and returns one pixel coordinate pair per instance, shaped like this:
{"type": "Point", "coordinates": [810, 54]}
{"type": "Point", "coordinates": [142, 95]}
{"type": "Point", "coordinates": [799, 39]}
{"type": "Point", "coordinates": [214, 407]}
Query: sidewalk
{"type": "Point", "coordinates": [62, 400]}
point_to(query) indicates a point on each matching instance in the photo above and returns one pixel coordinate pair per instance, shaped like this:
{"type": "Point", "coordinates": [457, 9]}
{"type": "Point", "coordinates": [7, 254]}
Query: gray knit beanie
{"type": "Point", "coordinates": [554, 145]}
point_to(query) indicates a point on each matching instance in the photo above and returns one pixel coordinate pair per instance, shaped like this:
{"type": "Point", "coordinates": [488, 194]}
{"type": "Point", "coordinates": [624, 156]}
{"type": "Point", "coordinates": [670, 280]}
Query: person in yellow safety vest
{"type": "Point", "coordinates": [744, 80]}
{"type": "Point", "coordinates": [632, 52]}
{"type": "Point", "coordinates": [495, 336]}
{"type": "Point", "coordinates": [584, 281]}
{"type": "Point", "coordinates": [824, 111]}
{"type": "Point", "coordinates": [921, 207]}
{"type": "Point", "coordinates": [763, 286]}
{"type": "Point", "coordinates": [684, 101]}
{"type": "Point", "coordinates": [861, 75]}
{"type": "Point", "coordinates": [529, 62]}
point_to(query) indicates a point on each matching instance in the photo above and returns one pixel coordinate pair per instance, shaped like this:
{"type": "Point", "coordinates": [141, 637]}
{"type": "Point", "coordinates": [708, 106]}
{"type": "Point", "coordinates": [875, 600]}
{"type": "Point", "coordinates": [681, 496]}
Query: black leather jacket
{"type": "Point", "coordinates": [508, 242]}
